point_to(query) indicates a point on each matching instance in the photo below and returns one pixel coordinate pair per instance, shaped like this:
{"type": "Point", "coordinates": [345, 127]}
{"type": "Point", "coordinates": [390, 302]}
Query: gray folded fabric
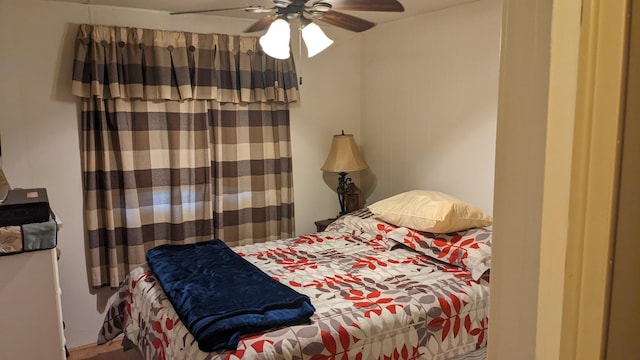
{"type": "Point", "coordinates": [39, 236]}
{"type": "Point", "coordinates": [10, 240]}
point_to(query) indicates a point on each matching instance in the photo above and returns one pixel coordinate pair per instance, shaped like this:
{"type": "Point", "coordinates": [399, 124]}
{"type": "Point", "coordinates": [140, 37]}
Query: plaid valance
{"type": "Point", "coordinates": [130, 63]}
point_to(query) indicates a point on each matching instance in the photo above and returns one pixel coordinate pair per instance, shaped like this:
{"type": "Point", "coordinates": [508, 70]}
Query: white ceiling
{"type": "Point", "coordinates": [412, 7]}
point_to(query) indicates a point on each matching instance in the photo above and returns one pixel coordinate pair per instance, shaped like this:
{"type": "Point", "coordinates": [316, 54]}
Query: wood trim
{"type": "Point", "coordinates": [624, 324]}
{"type": "Point", "coordinates": [594, 178]}
{"type": "Point", "coordinates": [561, 107]}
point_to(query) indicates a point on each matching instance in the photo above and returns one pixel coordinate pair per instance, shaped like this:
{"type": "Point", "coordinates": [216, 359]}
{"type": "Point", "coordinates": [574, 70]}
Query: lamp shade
{"type": "Point", "coordinates": [275, 42]}
{"type": "Point", "coordinates": [344, 155]}
{"type": "Point", "coordinates": [315, 39]}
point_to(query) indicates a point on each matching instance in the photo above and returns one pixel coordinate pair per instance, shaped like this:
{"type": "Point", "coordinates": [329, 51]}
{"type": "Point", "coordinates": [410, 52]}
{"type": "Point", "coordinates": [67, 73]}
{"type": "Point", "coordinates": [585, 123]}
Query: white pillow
{"type": "Point", "coordinates": [430, 211]}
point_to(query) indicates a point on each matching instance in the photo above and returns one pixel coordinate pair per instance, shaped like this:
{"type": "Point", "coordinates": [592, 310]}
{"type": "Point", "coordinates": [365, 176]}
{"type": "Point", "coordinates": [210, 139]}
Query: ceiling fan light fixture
{"type": "Point", "coordinates": [321, 6]}
{"type": "Point", "coordinates": [275, 42]}
{"type": "Point", "coordinates": [315, 39]}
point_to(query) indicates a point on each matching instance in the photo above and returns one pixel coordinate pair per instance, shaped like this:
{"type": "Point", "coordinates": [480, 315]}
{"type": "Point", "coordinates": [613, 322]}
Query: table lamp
{"type": "Point", "coordinates": [343, 158]}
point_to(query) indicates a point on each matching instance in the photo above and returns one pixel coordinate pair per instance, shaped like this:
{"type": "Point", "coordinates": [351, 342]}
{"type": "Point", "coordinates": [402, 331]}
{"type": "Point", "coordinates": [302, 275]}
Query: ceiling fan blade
{"type": "Point", "coordinates": [367, 5]}
{"type": "Point", "coordinates": [262, 24]}
{"type": "Point", "coordinates": [346, 21]}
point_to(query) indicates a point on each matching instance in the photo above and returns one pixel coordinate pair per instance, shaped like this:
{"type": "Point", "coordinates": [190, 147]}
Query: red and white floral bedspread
{"type": "Point", "coordinates": [371, 303]}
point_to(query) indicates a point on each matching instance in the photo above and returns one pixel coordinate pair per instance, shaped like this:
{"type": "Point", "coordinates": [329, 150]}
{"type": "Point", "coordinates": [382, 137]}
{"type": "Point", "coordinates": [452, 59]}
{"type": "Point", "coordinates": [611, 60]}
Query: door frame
{"type": "Point", "coordinates": [594, 179]}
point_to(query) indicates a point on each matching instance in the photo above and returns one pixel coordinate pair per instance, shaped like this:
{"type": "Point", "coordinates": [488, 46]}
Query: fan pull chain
{"type": "Point", "coordinates": [299, 42]}
{"type": "Point", "coordinates": [300, 50]}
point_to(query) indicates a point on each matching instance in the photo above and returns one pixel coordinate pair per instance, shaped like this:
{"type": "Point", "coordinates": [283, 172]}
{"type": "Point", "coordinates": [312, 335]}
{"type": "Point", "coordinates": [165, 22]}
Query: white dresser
{"type": "Point", "coordinates": [30, 309]}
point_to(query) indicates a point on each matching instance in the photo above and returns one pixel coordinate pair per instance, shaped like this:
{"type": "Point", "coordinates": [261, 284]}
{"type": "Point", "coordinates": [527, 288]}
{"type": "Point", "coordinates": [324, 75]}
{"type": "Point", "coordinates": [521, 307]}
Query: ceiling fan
{"type": "Point", "coordinates": [276, 41]}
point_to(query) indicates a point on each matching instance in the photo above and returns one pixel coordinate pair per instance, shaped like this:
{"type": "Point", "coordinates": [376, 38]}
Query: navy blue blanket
{"type": "Point", "coordinates": [220, 296]}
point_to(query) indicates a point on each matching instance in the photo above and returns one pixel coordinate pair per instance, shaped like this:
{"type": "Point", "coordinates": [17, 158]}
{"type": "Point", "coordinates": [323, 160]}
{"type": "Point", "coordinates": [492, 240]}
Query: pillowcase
{"type": "Point", "coordinates": [364, 224]}
{"type": "Point", "coordinates": [469, 249]}
{"type": "Point", "coordinates": [430, 211]}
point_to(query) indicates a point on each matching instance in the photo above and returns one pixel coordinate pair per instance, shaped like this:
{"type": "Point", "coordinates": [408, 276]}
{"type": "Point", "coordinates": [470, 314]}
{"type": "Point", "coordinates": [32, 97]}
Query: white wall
{"type": "Point", "coordinates": [430, 94]}
{"type": "Point", "coordinates": [330, 93]}
{"type": "Point", "coordinates": [520, 166]}
{"type": "Point", "coordinates": [39, 123]}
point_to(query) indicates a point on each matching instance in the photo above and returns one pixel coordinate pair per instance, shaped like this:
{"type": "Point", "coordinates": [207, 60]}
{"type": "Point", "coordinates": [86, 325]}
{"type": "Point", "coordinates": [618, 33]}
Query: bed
{"type": "Point", "coordinates": [380, 291]}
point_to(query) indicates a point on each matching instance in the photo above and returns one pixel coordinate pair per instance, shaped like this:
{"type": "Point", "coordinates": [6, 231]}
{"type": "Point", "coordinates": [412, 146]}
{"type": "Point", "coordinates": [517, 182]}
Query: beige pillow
{"type": "Point", "coordinates": [430, 211]}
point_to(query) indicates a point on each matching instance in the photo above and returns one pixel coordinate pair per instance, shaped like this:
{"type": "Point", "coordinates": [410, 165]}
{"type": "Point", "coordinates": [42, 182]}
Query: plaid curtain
{"type": "Point", "coordinates": [184, 137]}
{"type": "Point", "coordinates": [252, 177]}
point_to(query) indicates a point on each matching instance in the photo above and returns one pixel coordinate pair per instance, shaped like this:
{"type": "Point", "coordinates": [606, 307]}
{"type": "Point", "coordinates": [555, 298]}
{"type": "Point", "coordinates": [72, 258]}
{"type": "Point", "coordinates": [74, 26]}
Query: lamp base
{"type": "Point", "coordinates": [344, 183]}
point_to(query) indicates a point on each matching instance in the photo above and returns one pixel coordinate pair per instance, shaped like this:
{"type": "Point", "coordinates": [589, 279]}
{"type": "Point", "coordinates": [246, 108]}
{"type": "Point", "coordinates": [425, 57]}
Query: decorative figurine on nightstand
{"type": "Point", "coordinates": [352, 198]}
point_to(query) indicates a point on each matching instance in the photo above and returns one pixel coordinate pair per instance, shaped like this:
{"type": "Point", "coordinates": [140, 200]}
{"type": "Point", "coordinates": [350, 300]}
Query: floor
{"type": "Point", "coordinates": [111, 351]}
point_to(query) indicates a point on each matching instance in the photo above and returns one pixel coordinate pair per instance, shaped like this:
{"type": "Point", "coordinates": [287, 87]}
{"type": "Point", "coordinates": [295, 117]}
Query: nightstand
{"type": "Point", "coordinates": [322, 224]}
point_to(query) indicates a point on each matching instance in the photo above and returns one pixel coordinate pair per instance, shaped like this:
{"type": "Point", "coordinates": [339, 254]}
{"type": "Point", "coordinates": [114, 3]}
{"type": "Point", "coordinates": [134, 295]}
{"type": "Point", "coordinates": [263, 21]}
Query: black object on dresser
{"type": "Point", "coordinates": [24, 206]}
